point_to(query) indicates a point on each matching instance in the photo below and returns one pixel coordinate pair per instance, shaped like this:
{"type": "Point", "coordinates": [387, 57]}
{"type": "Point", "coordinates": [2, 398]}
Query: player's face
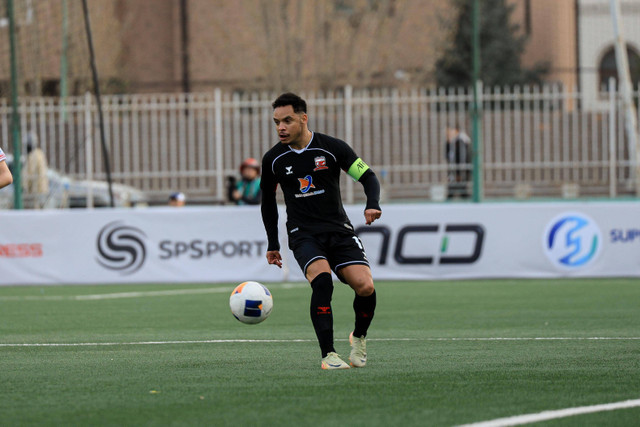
{"type": "Point", "coordinates": [290, 125]}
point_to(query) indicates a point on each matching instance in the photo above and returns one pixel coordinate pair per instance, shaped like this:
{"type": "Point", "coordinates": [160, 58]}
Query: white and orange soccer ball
{"type": "Point", "coordinates": [251, 302]}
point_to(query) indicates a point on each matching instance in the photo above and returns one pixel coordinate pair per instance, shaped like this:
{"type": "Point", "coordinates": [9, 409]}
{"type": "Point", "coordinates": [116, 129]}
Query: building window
{"type": "Point", "coordinates": [608, 67]}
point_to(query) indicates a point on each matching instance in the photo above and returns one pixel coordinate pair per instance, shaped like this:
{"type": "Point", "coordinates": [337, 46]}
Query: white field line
{"type": "Point", "coordinates": [552, 415]}
{"type": "Point", "coordinates": [231, 341]}
{"type": "Point", "coordinates": [141, 294]}
{"type": "Point", "coordinates": [530, 339]}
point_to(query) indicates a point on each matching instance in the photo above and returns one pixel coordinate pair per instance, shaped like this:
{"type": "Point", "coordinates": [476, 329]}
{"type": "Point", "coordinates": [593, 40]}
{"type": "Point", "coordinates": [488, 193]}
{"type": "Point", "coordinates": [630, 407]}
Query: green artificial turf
{"type": "Point", "coordinates": [426, 366]}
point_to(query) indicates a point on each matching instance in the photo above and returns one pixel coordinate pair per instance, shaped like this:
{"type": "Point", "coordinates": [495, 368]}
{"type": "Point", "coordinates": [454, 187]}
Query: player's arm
{"type": "Point", "coordinates": [5, 174]}
{"type": "Point", "coordinates": [357, 169]}
{"type": "Point", "coordinates": [360, 171]}
{"type": "Point", "coordinates": [269, 208]}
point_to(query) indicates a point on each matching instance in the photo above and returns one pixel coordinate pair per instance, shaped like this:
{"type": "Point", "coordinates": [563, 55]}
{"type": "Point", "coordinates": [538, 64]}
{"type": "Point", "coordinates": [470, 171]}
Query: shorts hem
{"type": "Point", "coordinates": [344, 264]}
{"type": "Point", "coordinates": [304, 270]}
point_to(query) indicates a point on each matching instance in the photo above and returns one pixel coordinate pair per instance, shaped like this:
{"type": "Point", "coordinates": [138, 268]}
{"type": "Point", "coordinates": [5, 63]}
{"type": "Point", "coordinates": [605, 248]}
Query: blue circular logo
{"type": "Point", "coordinates": [572, 240]}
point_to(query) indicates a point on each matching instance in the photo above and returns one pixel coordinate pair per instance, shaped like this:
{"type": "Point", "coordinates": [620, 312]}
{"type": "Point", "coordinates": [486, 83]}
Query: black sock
{"type": "Point", "coordinates": [365, 308]}
{"type": "Point", "coordinates": [321, 315]}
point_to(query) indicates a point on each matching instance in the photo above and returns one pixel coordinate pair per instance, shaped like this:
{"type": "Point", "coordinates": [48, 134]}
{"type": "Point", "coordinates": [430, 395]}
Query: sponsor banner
{"type": "Point", "coordinates": [214, 244]}
{"type": "Point", "coordinates": [228, 244]}
{"type": "Point", "coordinates": [510, 240]}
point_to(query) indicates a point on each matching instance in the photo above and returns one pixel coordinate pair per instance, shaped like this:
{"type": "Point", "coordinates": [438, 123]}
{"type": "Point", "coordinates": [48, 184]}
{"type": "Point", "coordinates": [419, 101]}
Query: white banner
{"type": "Point", "coordinates": [227, 244]}
{"type": "Point", "coordinates": [505, 240]}
{"type": "Point", "coordinates": [214, 244]}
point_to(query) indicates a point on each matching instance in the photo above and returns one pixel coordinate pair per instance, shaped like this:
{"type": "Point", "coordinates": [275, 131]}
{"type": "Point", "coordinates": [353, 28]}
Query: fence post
{"type": "Point", "coordinates": [15, 115]}
{"type": "Point", "coordinates": [348, 132]}
{"type": "Point", "coordinates": [478, 183]}
{"type": "Point", "coordinates": [612, 138]}
{"type": "Point", "coordinates": [476, 114]}
{"type": "Point", "coordinates": [88, 147]}
{"type": "Point", "coordinates": [218, 143]}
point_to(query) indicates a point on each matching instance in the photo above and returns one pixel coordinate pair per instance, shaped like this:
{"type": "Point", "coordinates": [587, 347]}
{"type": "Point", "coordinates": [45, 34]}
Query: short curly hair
{"type": "Point", "coordinates": [299, 105]}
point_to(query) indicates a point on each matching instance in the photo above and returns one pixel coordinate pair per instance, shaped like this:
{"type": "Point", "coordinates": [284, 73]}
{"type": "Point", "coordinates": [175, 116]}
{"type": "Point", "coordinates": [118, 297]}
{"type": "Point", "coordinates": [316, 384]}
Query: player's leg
{"type": "Point", "coordinates": [364, 305]}
{"type": "Point", "coordinates": [319, 275]}
{"type": "Point", "coordinates": [350, 263]}
{"type": "Point", "coordinates": [359, 278]}
{"type": "Point", "coordinates": [312, 259]}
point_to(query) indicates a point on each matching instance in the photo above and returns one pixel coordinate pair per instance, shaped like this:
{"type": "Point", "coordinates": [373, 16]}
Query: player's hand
{"type": "Point", "coordinates": [371, 215]}
{"type": "Point", "coordinates": [274, 257]}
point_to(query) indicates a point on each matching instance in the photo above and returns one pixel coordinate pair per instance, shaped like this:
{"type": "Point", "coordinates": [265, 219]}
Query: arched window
{"type": "Point", "coordinates": [608, 67]}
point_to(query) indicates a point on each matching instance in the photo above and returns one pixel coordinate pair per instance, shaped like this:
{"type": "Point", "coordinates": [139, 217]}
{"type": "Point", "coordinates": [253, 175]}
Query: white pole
{"type": "Point", "coordinates": [88, 151]}
{"type": "Point", "coordinates": [622, 62]}
{"type": "Point", "coordinates": [348, 132]}
{"type": "Point", "coordinates": [218, 143]}
{"type": "Point", "coordinates": [612, 138]}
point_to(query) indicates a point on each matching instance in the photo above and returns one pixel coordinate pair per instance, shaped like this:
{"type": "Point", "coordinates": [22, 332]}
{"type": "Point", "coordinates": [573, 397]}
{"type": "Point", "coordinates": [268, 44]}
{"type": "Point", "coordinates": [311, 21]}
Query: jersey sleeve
{"type": "Point", "coordinates": [3, 157]}
{"type": "Point", "coordinates": [371, 186]}
{"type": "Point", "coordinates": [349, 161]}
{"type": "Point", "coordinates": [357, 169]}
{"type": "Point", "coordinates": [269, 206]}
{"type": "Point", "coordinates": [345, 155]}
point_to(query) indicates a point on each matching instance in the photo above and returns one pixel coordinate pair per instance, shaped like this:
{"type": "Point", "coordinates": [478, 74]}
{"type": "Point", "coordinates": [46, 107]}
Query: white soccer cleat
{"type": "Point", "coordinates": [358, 356]}
{"type": "Point", "coordinates": [333, 361]}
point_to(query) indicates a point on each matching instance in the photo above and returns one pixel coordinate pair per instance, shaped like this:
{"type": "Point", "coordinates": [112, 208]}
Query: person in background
{"type": "Point", "coordinates": [458, 155]}
{"type": "Point", "coordinates": [5, 174]}
{"type": "Point", "coordinates": [247, 190]}
{"type": "Point", "coordinates": [177, 199]}
{"type": "Point", "coordinates": [36, 181]}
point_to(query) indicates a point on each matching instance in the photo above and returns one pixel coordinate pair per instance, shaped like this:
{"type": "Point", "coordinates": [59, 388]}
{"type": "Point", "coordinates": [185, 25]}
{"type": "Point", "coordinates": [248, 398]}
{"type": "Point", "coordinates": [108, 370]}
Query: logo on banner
{"type": "Point", "coordinates": [474, 234]}
{"type": "Point", "coordinates": [21, 250]}
{"type": "Point", "coordinates": [572, 241]}
{"type": "Point", "coordinates": [121, 248]}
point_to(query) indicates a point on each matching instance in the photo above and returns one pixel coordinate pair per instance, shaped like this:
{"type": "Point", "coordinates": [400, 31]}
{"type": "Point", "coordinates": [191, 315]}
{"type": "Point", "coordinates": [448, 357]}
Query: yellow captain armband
{"type": "Point", "coordinates": [357, 169]}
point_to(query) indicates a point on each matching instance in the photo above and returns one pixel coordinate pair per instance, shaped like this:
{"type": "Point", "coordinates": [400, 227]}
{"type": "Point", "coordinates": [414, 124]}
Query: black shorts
{"type": "Point", "coordinates": [339, 249]}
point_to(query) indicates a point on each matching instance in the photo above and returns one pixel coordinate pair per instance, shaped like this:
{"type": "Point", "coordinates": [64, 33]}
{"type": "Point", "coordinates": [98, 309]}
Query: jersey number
{"type": "Point", "coordinates": [359, 243]}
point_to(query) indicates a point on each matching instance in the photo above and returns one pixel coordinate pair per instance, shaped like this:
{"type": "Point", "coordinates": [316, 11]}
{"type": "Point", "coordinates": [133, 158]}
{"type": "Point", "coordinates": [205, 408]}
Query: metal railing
{"type": "Point", "coordinates": [537, 141]}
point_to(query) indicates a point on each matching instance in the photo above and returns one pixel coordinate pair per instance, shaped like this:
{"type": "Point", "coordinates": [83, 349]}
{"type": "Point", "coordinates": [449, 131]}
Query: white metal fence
{"type": "Point", "coordinates": [537, 141]}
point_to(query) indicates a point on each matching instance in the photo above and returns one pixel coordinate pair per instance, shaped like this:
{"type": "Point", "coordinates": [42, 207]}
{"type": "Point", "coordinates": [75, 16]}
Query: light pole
{"type": "Point", "coordinates": [15, 116]}
{"type": "Point", "coordinates": [476, 111]}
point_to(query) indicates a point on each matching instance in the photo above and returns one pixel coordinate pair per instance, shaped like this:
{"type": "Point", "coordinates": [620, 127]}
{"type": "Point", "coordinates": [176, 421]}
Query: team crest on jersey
{"type": "Point", "coordinates": [306, 184]}
{"type": "Point", "coordinates": [321, 163]}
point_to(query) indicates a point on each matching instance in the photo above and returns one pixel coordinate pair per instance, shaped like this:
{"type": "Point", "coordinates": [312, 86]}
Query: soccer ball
{"type": "Point", "coordinates": [251, 302]}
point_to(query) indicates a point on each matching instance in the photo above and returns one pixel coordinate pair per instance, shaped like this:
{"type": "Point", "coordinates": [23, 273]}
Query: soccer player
{"type": "Point", "coordinates": [5, 174]}
{"type": "Point", "coordinates": [307, 166]}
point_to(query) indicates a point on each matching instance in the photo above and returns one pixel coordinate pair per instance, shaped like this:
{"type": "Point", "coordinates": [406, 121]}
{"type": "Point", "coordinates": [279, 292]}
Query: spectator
{"type": "Point", "coordinates": [247, 191]}
{"type": "Point", "coordinates": [177, 199]}
{"type": "Point", "coordinates": [458, 155]}
{"type": "Point", "coordinates": [5, 174]}
{"type": "Point", "coordinates": [36, 181]}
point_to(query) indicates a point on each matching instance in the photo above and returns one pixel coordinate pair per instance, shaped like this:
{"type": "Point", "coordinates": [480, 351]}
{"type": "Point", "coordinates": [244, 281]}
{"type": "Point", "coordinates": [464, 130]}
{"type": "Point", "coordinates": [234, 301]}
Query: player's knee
{"type": "Point", "coordinates": [316, 268]}
{"type": "Point", "coordinates": [364, 287]}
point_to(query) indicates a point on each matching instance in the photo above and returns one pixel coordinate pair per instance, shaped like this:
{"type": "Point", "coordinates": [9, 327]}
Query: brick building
{"type": "Point", "coordinates": [173, 45]}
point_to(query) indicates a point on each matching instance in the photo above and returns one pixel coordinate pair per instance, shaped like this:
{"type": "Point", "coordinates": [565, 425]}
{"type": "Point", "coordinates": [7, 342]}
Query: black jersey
{"type": "Point", "coordinates": [310, 182]}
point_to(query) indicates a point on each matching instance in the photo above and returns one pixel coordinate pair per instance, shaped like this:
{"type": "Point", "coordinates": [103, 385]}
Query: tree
{"type": "Point", "coordinates": [501, 47]}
